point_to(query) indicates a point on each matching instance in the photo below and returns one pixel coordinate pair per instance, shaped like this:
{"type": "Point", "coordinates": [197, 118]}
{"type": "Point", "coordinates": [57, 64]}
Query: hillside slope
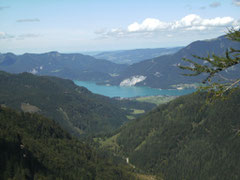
{"type": "Point", "coordinates": [33, 147]}
{"type": "Point", "coordinates": [162, 72]}
{"type": "Point", "coordinates": [186, 139]}
{"type": "Point", "coordinates": [70, 66]}
{"type": "Point", "coordinates": [75, 108]}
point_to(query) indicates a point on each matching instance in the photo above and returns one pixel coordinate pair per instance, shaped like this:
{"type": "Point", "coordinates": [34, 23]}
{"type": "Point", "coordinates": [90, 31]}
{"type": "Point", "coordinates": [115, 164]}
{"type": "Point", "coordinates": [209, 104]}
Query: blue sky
{"type": "Point", "coordinates": [96, 25]}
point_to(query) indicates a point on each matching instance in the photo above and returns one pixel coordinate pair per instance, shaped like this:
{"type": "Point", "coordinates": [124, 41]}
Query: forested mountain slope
{"type": "Point", "coordinates": [70, 66]}
{"type": "Point", "coordinates": [186, 139]}
{"type": "Point", "coordinates": [158, 72]}
{"type": "Point", "coordinates": [162, 72]}
{"type": "Point", "coordinates": [33, 147]}
{"type": "Point", "coordinates": [75, 108]}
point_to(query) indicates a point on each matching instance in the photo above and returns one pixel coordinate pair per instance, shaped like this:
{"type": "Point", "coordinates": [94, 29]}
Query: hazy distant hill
{"type": "Point", "coordinates": [185, 138]}
{"type": "Point", "coordinates": [136, 55]}
{"type": "Point", "coordinates": [162, 72]}
{"type": "Point", "coordinates": [75, 108]}
{"type": "Point", "coordinates": [70, 66]}
{"type": "Point", "coordinates": [159, 72]}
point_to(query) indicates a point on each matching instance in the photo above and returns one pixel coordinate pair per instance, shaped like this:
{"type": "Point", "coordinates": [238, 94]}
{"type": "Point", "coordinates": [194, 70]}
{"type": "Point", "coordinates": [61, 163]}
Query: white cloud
{"type": "Point", "coordinates": [28, 20]}
{"type": "Point", "coordinates": [4, 35]}
{"type": "Point", "coordinates": [236, 2]}
{"type": "Point", "coordinates": [191, 22]}
{"type": "Point", "coordinates": [148, 24]}
{"type": "Point", "coordinates": [215, 4]}
{"type": "Point", "coordinates": [218, 22]}
{"type": "Point", "coordinates": [29, 35]}
{"type": "Point", "coordinates": [202, 7]}
{"type": "Point", "coordinates": [198, 28]}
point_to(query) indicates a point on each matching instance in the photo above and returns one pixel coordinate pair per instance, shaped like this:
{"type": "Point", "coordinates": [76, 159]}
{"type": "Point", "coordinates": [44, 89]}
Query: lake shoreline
{"type": "Point", "coordinates": [131, 91]}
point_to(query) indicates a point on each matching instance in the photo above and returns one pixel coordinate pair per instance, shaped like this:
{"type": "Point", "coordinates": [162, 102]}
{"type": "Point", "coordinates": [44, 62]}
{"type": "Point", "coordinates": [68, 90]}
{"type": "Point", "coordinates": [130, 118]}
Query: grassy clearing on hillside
{"type": "Point", "coordinates": [110, 143]}
{"type": "Point", "coordinates": [134, 113]}
{"type": "Point", "coordinates": [131, 117]}
{"type": "Point", "coordinates": [156, 99]}
{"type": "Point", "coordinates": [138, 111]}
{"type": "Point", "coordinates": [145, 177]}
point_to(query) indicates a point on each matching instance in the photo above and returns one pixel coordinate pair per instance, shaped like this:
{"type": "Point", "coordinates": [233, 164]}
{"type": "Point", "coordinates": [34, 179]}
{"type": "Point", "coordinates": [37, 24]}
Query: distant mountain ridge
{"type": "Point", "coordinates": [159, 72]}
{"type": "Point", "coordinates": [162, 72]}
{"type": "Point", "coordinates": [70, 66]}
{"type": "Point", "coordinates": [135, 55]}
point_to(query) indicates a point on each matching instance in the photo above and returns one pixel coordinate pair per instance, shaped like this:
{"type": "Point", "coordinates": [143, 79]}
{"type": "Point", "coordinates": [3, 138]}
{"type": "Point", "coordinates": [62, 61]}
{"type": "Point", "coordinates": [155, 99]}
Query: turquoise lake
{"type": "Point", "coordinates": [126, 92]}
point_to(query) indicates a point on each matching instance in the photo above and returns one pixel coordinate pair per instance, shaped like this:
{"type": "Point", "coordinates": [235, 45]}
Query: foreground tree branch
{"type": "Point", "coordinates": [216, 65]}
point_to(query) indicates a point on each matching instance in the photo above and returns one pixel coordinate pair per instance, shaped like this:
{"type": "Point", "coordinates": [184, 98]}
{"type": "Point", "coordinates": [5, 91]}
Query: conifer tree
{"type": "Point", "coordinates": [216, 83]}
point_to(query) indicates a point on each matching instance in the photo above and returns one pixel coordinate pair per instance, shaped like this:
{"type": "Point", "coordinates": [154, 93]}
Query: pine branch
{"type": "Point", "coordinates": [216, 64]}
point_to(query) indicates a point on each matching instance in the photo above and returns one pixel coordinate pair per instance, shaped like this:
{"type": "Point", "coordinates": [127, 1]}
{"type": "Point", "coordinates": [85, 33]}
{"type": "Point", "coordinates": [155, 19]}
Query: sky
{"type": "Point", "coordinates": [67, 26]}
